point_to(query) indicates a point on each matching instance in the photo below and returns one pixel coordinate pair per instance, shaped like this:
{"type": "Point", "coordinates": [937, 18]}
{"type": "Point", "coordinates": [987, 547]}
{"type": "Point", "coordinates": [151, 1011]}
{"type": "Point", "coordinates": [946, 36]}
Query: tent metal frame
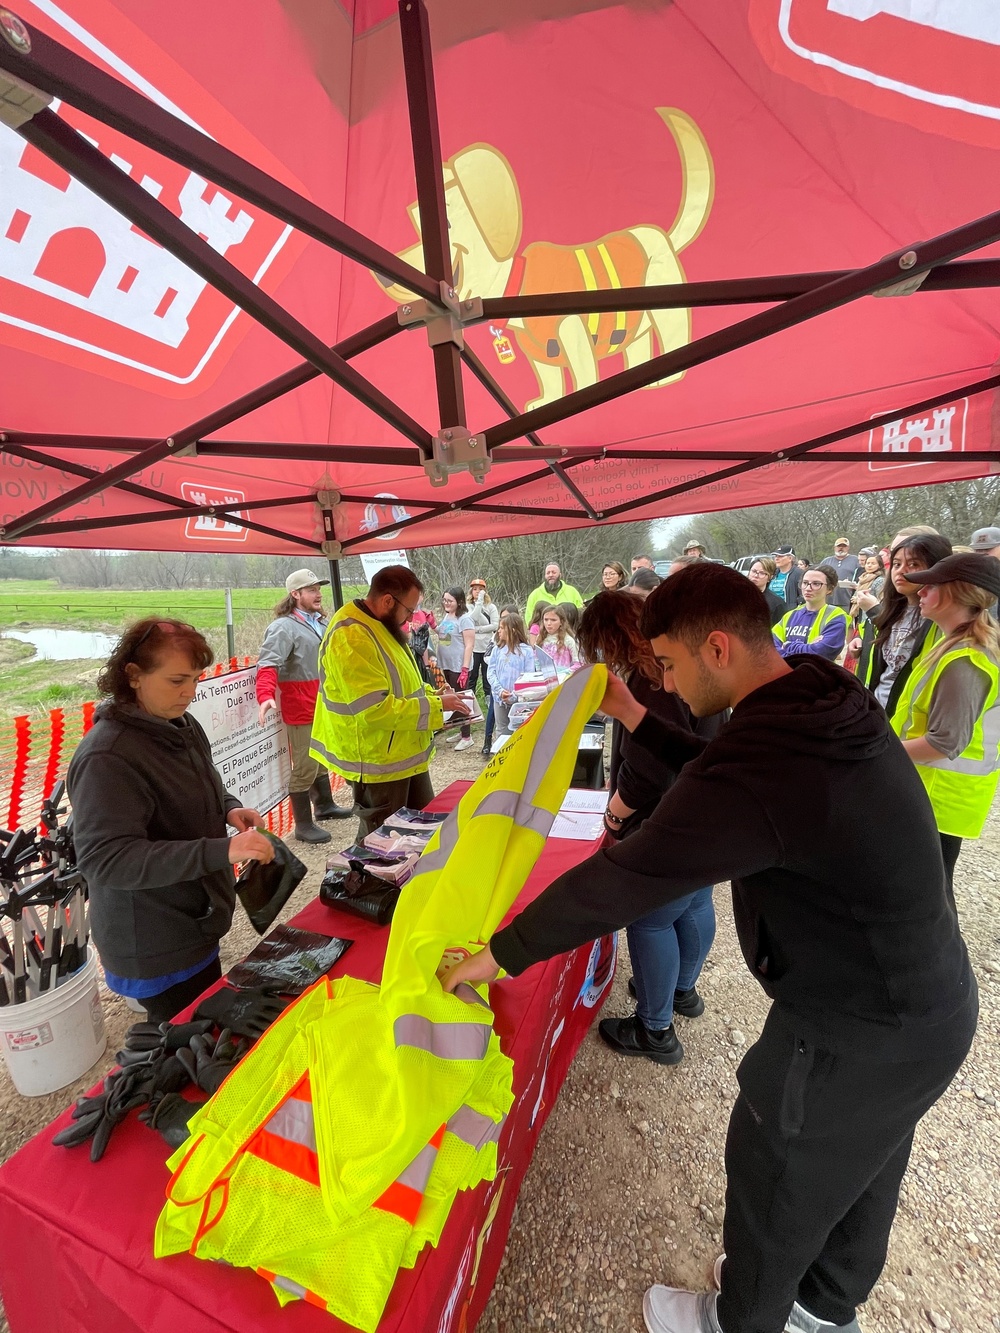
{"type": "Point", "coordinates": [28, 57]}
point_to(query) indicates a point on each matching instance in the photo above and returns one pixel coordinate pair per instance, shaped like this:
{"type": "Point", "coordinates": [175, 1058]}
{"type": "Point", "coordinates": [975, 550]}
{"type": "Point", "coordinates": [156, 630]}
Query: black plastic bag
{"type": "Point", "coordinates": [264, 889]}
{"type": "Point", "coordinates": [356, 890]}
{"type": "Point", "coordinates": [288, 961]}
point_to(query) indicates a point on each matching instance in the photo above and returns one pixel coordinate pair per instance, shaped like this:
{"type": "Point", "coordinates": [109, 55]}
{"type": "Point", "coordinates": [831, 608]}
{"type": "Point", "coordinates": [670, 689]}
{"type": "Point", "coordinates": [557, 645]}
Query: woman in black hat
{"type": "Point", "coordinates": [948, 715]}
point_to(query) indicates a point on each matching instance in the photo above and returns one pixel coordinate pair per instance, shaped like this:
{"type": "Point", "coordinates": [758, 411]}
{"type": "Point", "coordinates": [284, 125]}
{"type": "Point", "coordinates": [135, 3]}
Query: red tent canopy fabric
{"type": "Point", "coordinates": [584, 147]}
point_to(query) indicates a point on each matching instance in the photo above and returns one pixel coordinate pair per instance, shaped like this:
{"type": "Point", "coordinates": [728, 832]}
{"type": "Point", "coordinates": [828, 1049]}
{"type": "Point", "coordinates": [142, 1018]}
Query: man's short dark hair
{"type": "Point", "coordinates": [704, 597]}
{"type": "Point", "coordinates": [643, 556]}
{"type": "Point", "coordinates": [396, 580]}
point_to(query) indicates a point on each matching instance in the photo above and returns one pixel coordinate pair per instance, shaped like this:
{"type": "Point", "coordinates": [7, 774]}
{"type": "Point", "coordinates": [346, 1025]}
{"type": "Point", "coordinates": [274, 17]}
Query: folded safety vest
{"type": "Point", "coordinates": [333, 1152]}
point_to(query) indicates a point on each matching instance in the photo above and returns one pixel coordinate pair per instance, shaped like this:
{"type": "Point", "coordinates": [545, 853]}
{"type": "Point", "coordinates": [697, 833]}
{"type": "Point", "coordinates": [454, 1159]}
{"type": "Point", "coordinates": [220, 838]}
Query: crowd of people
{"type": "Point", "coordinates": [726, 694]}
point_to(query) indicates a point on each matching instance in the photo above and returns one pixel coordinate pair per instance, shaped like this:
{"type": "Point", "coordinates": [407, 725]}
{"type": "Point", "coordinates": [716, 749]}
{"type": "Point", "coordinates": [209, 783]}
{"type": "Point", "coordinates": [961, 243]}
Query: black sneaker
{"type": "Point", "coordinates": [687, 1003]}
{"type": "Point", "coordinates": [630, 1036]}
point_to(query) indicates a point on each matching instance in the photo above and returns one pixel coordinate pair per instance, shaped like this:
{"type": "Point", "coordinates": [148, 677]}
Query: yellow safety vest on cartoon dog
{"type": "Point", "coordinates": [333, 1152]}
{"type": "Point", "coordinates": [961, 789]}
{"type": "Point", "coordinates": [375, 717]}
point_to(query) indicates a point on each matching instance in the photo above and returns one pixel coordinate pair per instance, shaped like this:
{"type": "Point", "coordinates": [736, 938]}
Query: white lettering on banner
{"type": "Point", "coordinates": [212, 527]}
{"type": "Point", "coordinates": [902, 443]}
{"type": "Point", "coordinates": [253, 761]}
{"type": "Point", "coordinates": [979, 19]}
{"type": "Point", "coordinates": [376, 560]}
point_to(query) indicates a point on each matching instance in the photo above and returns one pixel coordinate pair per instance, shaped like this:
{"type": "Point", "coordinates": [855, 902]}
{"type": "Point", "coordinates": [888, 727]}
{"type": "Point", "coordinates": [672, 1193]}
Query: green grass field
{"type": "Point", "coordinates": [31, 686]}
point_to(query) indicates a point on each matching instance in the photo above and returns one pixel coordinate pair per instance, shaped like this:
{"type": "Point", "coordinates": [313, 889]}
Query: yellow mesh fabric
{"type": "Point", "coordinates": [378, 1099]}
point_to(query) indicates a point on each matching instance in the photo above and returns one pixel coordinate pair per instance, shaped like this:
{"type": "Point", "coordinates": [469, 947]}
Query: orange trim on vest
{"type": "Point", "coordinates": [402, 1200]}
{"type": "Point", "coordinates": [295, 1158]}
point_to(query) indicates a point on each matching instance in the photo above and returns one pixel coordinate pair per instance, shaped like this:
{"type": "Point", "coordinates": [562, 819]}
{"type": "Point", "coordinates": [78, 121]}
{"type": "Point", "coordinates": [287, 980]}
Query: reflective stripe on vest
{"type": "Point", "coordinates": [288, 1140]}
{"type": "Point", "coordinates": [448, 1041]}
{"type": "Point", "coordinates": [592, 285]}
{"type": "Point", "coordinates": [820, 621]}
{"type": "Point", "coordinates": [370, 770]}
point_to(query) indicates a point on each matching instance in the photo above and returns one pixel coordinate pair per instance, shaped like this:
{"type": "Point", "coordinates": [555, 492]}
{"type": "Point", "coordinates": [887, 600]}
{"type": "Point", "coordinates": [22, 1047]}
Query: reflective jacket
{"type": "Point", "coordinates": [566, 593]}
{"type": "Point", "coordinates": [289, 658]}
{"type": "Point", "coordinates": [961, 789]}
{"type": "Point", "coordinates": [375, 717]}
{"type": "Point", "coordinates": [804, 631]}
{"type": "Point", "coordinates": [333, 1152]}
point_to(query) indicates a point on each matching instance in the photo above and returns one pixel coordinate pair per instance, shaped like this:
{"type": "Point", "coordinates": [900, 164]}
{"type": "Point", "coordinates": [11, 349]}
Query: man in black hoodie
{"type": "Point", "coordinates": [875, 1004]}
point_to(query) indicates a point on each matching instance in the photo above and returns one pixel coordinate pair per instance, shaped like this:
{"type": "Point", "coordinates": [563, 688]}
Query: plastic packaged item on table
{"type": "Point", "coordinates": [385, 839]}
{"type": "Point", "coordinates": [519, 713]}
{"type": "Point", "coordinates": [353, 889]}
{"type": "Point", "coordinates": [409, 820]}
{"type": "Point", "coordinates": [288, 960]}
{"type": "Point", "coordinates": [393, 867]}
{"type": "Point", "coordinates": [264, 889]}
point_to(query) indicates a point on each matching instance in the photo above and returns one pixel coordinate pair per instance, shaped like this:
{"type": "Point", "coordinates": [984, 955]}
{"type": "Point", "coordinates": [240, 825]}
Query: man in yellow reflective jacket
{"type": "Point", "coordinates": [375, 717]}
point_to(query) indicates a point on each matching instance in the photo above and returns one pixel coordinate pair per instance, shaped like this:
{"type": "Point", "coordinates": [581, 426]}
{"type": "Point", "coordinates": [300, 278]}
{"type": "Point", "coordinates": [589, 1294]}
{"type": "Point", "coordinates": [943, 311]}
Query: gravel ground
{"type": "Point", "coordinates": [627, 1184]}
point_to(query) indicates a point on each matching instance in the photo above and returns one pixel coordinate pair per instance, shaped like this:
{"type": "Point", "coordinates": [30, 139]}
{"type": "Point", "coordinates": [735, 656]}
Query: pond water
{"type": "Point", "coordinates": [62, 645]}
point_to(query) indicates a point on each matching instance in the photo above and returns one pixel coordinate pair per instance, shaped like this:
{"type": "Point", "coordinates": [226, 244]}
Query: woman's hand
{"type": "Point", "coordinates": [243, 818]}
{"type": "Point", "coordinates": [854, 647]}
{"type": "Point", "coordinates": [463, 678]}
{"type": "Point", "coordinates": [474, 970]}
{"type": "Point", "coordinates": [268, 706]}
{"type": "Point", "coordinates": [505, 695]}
{"type": "Point", "coordinates": [250, 846]}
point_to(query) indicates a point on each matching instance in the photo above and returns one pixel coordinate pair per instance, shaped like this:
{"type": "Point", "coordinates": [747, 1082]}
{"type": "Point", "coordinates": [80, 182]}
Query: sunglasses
{"type": "Point", "coordinates": [167, 627]}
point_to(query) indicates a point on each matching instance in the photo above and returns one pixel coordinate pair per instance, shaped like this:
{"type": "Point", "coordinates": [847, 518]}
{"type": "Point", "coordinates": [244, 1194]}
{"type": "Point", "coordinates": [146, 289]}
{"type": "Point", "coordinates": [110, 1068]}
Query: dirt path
{"type": "Point", "coordinates": [627, 1184]}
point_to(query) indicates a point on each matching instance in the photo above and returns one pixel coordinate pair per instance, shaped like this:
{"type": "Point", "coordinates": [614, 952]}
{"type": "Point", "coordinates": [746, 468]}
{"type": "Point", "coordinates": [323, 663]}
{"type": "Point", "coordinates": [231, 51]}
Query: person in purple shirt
{"type": "Point", "coordinates": [815, 627]}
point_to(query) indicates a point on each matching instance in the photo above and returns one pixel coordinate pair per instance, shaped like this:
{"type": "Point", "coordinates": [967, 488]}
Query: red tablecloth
{"type": "Point", "coordinates": [77, 1236]}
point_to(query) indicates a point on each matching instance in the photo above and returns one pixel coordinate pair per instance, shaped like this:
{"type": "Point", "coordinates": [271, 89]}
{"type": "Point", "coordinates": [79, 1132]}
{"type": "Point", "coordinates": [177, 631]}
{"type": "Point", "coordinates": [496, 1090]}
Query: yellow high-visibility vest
{"type": "Point", "coordinates": [961, 789]}
{"type": "Point", "coordinates": [820, 622]}
{"type": "Point", "coordinates": [333, 1152]}
{"type": "Point", "coordinates": [375, 717]}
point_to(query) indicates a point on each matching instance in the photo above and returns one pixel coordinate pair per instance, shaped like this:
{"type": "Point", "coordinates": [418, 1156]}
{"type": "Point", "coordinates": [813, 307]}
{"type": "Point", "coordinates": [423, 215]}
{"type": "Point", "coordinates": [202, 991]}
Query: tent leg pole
{"type": "Point", "coordinates": [336, 587]}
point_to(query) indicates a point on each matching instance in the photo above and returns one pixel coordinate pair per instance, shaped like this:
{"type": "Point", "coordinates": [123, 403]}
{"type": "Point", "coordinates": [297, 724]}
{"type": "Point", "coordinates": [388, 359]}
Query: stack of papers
{"type": "Point", "coordinates": [581, 816]}
{"type": "Point", "coordinates": [408, 820]}
{"type": "Point", "coordinates": [385, 839]}
{"type": "Point", "coordinates": [394, 867]}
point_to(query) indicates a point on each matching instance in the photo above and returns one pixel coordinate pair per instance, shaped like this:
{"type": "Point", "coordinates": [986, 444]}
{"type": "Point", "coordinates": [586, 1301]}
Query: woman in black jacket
{"type": "Point", "coordinates": [668, 947]}
{"type": "Point", "coordinates": [149, 823]}
{"type": "Point", "coordinates": [893, 636]}
{"type": "Point", "coordinates": [760, 574]}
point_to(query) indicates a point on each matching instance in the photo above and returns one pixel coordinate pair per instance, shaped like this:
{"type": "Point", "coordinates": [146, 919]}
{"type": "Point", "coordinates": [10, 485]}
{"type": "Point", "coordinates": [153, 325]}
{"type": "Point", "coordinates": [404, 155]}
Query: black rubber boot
{"type": "Point", "coordinates": [305, 829]}
{"type": "Point", "coordinates": [324, 806]}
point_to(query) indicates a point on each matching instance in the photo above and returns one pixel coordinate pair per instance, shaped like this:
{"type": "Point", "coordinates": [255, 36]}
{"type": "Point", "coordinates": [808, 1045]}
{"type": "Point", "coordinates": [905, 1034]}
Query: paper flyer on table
{"type": "Point", "coordinates": [585, 801]}
{"type": "Point", "coordinates": [580, 827]}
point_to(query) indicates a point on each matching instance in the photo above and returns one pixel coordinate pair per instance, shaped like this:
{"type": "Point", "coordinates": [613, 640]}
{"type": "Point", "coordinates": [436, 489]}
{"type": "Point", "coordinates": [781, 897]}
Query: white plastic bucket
{"type": "Point", "coordinates": [50, 1041]}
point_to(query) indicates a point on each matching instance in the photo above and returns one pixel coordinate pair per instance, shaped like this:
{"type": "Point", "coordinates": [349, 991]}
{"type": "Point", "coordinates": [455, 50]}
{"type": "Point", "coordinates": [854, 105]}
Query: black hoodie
{"type": "Point", "coordinates": [855, 942]}
{"type": "Point", "coordinates": [149, 829]}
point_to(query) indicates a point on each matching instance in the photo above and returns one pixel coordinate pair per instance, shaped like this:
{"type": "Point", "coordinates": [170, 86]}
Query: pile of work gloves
{"type": "Point", "coordinates": [160, 1060]}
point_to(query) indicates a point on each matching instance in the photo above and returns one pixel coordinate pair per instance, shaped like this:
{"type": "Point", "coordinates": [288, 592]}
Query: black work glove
{"type": "Point", "coordinates": [97, 1117]}
{"type": "Point", "coordinates": [169, 1117]}
{"type": "Point", "coordinates": [209, 1063]}
{"type": "Point", "coordinates": [162, 1036]}
{"type": "Point", "coordinates": [249, 1013]}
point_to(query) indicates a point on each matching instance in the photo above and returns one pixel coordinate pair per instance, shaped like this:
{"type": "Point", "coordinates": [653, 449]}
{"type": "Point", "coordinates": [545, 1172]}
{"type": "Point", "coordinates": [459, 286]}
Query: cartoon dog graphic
{"type": "Point", "coordinates": [484, 216]}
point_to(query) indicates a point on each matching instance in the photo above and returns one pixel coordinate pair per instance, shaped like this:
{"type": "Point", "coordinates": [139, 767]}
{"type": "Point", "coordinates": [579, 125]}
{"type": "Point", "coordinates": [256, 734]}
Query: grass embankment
{"type": "Point", "coordinates": [30, 685]}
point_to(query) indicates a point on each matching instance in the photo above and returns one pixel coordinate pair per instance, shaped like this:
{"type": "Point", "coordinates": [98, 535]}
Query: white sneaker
{"type": "Point", "coordinates": [671, 1310]}
{"type": "Point", "coordinates": [464, 743]}
{"type": "Point", "coordinates": [452, 738]}
{"type": "Point", "coordinates": [801, 1321]}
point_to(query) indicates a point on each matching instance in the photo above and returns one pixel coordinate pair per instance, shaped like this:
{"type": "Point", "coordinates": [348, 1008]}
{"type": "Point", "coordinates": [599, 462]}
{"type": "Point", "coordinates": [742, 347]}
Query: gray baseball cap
{"type": "Point", "coordinates": [302, 578]}
{"type": "Point", "coordinates": [984, 539]}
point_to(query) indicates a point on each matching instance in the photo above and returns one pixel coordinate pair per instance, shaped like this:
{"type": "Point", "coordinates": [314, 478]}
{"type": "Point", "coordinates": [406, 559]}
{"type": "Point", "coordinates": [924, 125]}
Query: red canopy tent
{"type": "Point", "coordinates": [216, 331]}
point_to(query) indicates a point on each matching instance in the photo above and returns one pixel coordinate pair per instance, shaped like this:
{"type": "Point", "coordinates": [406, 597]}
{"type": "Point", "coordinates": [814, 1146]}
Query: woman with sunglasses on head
{"type": "Point", "coordinates": [149, 823]}
{"type": "Point", "coordinates": [456, 645]}
{"type": "Point", "coordinates": [668, 948]}
{"type": "Point", "coordinates": [485, 616]}
{"type": "Point", "coordinates": [894, 635]}
{"type": "Point", "coordinates": [948, 714]}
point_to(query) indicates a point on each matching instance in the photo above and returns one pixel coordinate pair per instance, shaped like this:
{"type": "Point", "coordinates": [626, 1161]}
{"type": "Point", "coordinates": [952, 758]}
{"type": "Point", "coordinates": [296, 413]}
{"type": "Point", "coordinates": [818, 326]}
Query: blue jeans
{"type": "Point", "coordinates": [668, 948]}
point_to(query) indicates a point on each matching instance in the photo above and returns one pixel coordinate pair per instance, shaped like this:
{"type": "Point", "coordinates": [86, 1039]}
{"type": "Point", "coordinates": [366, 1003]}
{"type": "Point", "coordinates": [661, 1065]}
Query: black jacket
{"type": "Point", "coordinates": [149, 828]}
{"type": "Point", "coordinates": [858, 947]}
{"type": "Point", "coordinates": [641, 777]}
{"type": "Point", "coordinates": [793, 590]}
{"type": "Point", "coordinates": [871, 663]}
{"type": "Point", "coordinates": [776, 607]}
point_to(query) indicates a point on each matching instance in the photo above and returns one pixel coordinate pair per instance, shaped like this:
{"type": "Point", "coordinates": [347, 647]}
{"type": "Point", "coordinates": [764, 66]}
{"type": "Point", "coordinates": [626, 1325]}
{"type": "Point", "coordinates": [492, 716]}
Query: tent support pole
{"type": "Point", "coordinates": [498, 394]}
{"type": "Point", "coordinates": [727, 291]}
{"type": "Point", "coordinates": [794, 454]}
{"type": "Point", "coordinates": [860, 282]}
{"type": "Point", "coordinates": [87, 164]}
{"type": "Point", "coordinates": [425, 135]}
{"type": "Point", "coordinates": [182, 440]}
{"type": "Point", "coordinates": [336, 586]}
{"type": "Point", "coordinates": [57, 70]}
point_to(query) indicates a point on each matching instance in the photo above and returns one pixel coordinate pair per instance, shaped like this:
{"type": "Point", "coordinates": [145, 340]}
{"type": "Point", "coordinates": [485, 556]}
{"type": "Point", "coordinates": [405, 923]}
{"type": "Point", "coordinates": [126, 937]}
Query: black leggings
{"type": "Point", "coordinates": [950, 848]}
{"type": "Point", "coordinates": [452, 678]}
{"type": "Point", "coordinates": [163, 1007]}
{"type": "Point", "coordinates": [478, 672]}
